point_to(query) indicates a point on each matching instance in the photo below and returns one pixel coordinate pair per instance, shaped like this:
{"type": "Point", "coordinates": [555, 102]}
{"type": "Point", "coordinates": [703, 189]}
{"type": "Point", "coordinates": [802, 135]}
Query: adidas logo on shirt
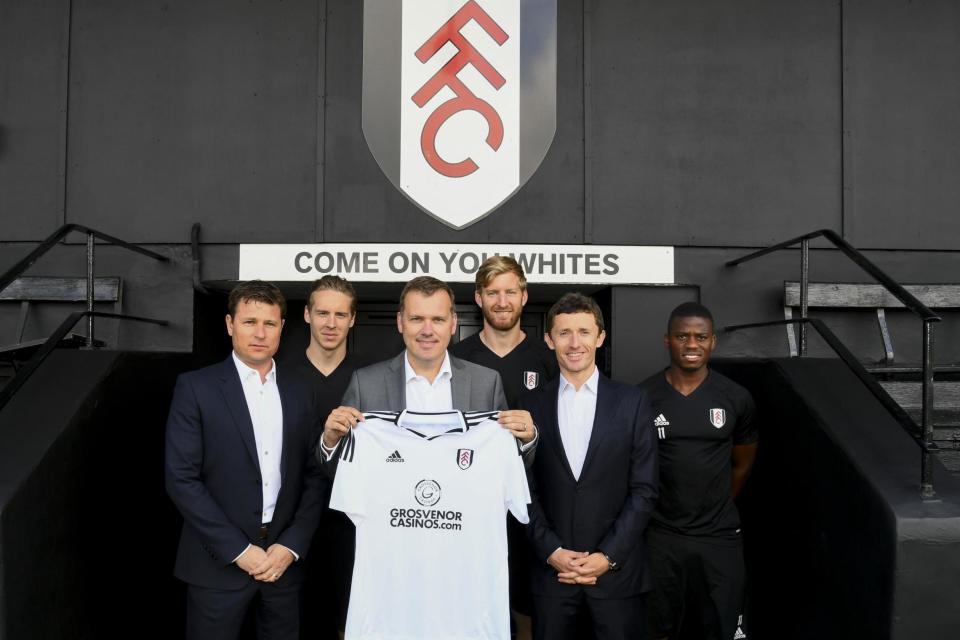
{"type": "Point", "coordinates": [395, 457]}
{"type": "Point", "coordinates": [660, 423]}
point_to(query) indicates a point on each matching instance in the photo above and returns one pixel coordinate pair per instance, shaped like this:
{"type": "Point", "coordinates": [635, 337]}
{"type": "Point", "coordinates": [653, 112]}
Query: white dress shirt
{"type": "Point", "coordinates": [423, 395]}
{"type": "Point", "coordinates": [266, 414]}
{"type": "Point", "coordinates": [576, 409]}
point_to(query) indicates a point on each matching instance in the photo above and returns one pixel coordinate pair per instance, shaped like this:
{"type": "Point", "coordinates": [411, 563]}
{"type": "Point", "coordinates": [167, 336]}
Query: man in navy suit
{"type": "Point", "coordinates": [593, 484]}
{"type": "Point", "coordinates": [239, 470]}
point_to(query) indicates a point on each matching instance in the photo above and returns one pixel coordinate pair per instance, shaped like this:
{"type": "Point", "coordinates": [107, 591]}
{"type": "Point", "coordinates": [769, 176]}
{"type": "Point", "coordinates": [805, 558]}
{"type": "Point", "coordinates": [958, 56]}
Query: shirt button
{"type": "Point", "coordinates": [266, 453]}
{"type": "Point", "coordinates": [266, 484]}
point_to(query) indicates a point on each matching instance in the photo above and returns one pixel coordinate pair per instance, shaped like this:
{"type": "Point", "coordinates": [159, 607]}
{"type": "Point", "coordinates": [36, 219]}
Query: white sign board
{"type": "Point", "coordinates": [374, 262]}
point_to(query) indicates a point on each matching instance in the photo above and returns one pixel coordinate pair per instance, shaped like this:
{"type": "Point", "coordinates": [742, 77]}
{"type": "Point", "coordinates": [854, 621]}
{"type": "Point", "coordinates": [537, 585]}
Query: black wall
{"type": "Point", "coordinates": [713, 127]}
{"type": "Point", "coordinates": [699, 123]}
{"type": "Point", "coordinates": [837, 542]}
{"type": "Point", "coordinates": [88, 534]}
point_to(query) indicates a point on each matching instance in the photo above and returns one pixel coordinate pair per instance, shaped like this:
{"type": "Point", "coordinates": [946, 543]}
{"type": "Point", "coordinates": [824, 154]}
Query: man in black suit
{"type": "Point", "coordinates": [593, 484]}
{"type": "Point", "coordinates": [239, 470]}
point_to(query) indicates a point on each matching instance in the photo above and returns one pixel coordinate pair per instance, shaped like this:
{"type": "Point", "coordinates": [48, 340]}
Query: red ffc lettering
{"type": "Point", "coordinates": [465, 99]}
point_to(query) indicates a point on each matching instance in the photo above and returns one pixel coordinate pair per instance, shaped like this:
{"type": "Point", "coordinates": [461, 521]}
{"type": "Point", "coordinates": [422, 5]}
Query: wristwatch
{"type": "Point", "coordinates": [613, 565]}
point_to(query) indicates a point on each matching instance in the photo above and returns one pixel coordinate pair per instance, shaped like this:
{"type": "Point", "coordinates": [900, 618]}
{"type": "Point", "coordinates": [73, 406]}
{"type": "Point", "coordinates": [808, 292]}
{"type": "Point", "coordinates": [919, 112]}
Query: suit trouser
{"type": "Point", "coordinates": [611, 619]}
{"type": "Point", "coordinates": [218, 614]}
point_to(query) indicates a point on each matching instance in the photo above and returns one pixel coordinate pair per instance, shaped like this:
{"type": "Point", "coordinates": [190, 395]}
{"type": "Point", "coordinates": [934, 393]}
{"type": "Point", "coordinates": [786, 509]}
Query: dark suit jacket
{"type": "Point", "coordinates": [213, 475]}
{"type": "Point", "coordinates": [608, 508]}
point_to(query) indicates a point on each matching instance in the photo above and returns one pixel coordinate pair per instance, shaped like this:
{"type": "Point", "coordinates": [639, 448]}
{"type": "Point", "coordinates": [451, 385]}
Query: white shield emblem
{"type": "Point", "coordinates": [464, 458]}
{"type": "Point", "coordinates": [718, 417]}
{"type": "Point", "coordinates": [459, 99]}
{"type": "Point", "coordinates": [531, 379]}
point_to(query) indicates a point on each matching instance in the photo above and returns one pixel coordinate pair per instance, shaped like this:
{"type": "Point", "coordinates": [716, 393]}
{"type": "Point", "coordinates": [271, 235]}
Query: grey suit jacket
{"type": "Point", "coordinates": [382, 387]}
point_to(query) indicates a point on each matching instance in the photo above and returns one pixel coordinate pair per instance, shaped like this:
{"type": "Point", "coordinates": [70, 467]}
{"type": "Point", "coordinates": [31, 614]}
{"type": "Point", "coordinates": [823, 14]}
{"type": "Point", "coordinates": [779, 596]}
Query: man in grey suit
{"type": "Point", "coordinates": [424, 377]}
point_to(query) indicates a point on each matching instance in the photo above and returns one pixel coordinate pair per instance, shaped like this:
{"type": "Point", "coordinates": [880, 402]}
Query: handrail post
{"type": "Point", "coordinates": [90, 291]}
{"type": "Point", "coordinates": [926, 471]}
{"type": "Point", "coordinates": [804, 291]}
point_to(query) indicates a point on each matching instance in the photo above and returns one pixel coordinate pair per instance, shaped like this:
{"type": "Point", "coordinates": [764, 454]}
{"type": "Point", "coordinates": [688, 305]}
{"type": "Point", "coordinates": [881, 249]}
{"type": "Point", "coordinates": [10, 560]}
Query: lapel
{"type": "Point", "coordinates": [236, 403]}
{"type": "Point", "coordinates": [601, 421]}
{"type": "Point", "coordinates": [396, 384]}
{"type": "Point", "coordinates": [459, 384]}
{"type": "Point", "coordinates": [286, 408]}
{"type": "Point", "coordinates": [551, 426]}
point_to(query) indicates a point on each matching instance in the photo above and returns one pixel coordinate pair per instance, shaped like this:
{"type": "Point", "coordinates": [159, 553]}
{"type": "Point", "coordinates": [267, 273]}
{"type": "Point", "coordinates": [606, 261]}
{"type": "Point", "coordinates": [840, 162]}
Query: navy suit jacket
{"type": "Point", "coordinates": [213, 474]}
{"type": "Point", "coordinates": [608, 508]}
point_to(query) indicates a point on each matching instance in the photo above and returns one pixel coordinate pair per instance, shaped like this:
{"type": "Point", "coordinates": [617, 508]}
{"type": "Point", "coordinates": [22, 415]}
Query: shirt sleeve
{"type": "Point", "coordinates": [325, 450]}
{"type": "Point", "coordinates": [516, 491]}
{"type": "Point", "coordinates": [526, 447]}
{"type": "Point", "coordinates": [348, 486]}
{"type": "Point", "coordinates": [745, 431]}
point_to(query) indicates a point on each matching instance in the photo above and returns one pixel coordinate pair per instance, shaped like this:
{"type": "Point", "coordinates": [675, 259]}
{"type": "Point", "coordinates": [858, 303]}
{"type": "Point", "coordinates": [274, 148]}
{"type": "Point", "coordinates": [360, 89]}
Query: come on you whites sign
{"type": "Point", "coordinates": [375, 262]}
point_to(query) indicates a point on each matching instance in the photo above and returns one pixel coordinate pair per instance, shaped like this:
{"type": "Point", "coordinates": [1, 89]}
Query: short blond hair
{"type": "Point", "coordinates": [334, 283]}
{"type": "Point", "coordinates": [497, 266]}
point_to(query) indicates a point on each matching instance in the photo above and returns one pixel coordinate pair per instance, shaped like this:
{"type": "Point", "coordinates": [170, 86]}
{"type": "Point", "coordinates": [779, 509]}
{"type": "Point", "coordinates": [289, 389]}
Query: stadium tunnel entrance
{"type": "Point", "coordinates": [635, 317]}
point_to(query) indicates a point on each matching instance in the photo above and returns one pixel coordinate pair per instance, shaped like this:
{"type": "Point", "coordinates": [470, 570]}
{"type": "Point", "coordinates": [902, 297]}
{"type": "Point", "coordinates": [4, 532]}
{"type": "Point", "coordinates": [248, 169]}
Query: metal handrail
{"type": "Point", "coordinates": [908, 423]}
{"type": "Point", "coordinates": [53, 341]}
{"type": "Point", "coordinates": [909, 300]}
{"type": "Point", "coordinates": [16, 270]}
{"type": "Point", "coordinates": [195, 256]}
{"type": "Point", "coordinates": [918, 435]}
{"type": "Point", "coordinates": [896, 289]}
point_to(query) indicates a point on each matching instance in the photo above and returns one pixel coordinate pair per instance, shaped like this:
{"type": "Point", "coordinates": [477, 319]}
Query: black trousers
{"type": "Point", "coordinates": [699, 584]}
{"type": "Point", "coordinates": [610, 619]}
{"type": "Point", "coordinates": [218, 614]}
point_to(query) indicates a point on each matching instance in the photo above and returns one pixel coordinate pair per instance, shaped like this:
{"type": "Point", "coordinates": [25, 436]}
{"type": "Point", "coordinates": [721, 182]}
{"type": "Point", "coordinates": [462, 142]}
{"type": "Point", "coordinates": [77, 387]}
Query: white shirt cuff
{"type": "Point", "coordinates": [241, 553]}
{"type": "Point", "coordinates": [327, 451]}
{"type": "Point", "coordinates": [292, 552]}
{"type": "Point", "coordinates": [526, 447]}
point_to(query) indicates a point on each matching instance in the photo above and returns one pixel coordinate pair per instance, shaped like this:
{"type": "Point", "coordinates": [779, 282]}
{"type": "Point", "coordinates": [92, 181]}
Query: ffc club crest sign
{"type": "Point", "coordinates": [459, 98]}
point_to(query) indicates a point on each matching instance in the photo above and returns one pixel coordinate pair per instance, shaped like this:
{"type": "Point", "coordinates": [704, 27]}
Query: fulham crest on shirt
{"type": "Point", "coordinates": [429, 494]}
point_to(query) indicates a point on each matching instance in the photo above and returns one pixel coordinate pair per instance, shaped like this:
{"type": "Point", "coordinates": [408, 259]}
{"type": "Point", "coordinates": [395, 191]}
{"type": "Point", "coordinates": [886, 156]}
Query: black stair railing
{"type": "Point", "coordinates": [195, 256]}
{"type": "Point", "coordinates": [910, 301]}
{"type": "Point", "coordinates": [17, 270]}
{"type": "Point", "coordinates": [54, 340]}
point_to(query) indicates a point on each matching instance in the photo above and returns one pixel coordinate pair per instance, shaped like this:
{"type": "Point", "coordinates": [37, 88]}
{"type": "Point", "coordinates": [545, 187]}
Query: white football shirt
{"type": "Point", "coordinates": [429, 495]}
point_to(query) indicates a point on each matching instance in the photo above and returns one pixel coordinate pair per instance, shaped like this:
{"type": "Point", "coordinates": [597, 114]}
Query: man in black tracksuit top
{"type": "Point", "coordinates": [707, 443]}
{"type": "Point", "coordinates": [331, 311]}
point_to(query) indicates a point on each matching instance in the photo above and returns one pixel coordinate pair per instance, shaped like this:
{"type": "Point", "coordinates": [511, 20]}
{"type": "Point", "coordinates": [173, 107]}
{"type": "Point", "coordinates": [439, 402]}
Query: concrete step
{"type": "Point", "coordinates": [7, 371]}
{"type": "Point", "coordinates": [946, 414]}
{"type": "Point", "coordinates": [946, 400]}
{"type": "Point", "coordinates": [951, 460]}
